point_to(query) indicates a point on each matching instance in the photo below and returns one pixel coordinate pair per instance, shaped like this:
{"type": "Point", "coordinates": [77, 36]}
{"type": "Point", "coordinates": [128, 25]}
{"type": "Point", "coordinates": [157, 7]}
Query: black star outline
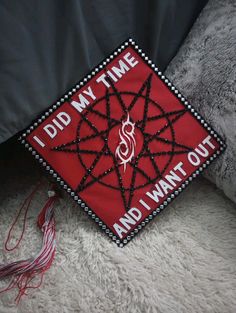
{"type": "Point", "coordinates": [171, 117]}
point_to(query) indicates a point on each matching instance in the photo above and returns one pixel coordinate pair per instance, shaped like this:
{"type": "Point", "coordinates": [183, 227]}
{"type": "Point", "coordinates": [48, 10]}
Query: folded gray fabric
{"type": "Point", "coordinates": [205, 72]}
{"type": "Point", "coordinates": [47, 46]}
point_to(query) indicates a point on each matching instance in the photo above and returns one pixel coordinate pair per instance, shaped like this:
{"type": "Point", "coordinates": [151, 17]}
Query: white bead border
{"type": "Point", "coordinates": [174, 90]}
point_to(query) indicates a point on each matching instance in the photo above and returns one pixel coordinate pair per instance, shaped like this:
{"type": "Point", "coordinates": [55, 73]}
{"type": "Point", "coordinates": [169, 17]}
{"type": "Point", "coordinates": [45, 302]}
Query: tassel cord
{"type": "Point", "coordinates": [23, 272]}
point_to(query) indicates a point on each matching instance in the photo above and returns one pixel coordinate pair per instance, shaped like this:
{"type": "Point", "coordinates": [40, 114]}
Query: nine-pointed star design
{"type": "Point", "coordinates": [89, 178]}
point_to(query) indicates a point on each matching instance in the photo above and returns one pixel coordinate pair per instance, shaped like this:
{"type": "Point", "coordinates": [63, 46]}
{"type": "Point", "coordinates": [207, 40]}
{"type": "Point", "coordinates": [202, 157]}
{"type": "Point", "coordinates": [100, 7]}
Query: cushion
{"type": "Point", "coordinates": [205, 71]}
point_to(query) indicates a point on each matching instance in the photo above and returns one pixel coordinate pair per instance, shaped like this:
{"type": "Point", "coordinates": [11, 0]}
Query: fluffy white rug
{"type": "Point", "coordinates": [183, 261]}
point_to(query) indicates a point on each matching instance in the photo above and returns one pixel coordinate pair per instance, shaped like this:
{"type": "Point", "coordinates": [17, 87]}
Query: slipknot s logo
{"type": "Point", "coordinates": [126, 147]}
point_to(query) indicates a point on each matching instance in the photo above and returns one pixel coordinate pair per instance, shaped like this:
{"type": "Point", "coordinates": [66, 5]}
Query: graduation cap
{"type": "Point", "coordinates": [123, 142]}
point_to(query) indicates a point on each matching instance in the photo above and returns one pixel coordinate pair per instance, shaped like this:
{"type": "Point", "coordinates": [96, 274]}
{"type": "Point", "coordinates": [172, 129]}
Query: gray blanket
{"type": "Point", "coordinates": [205, 72]}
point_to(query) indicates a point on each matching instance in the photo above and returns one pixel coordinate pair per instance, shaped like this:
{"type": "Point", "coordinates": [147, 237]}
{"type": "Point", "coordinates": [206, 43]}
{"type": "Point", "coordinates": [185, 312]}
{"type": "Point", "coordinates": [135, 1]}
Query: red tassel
{"type": "Point", "coordinates": [23, 272]}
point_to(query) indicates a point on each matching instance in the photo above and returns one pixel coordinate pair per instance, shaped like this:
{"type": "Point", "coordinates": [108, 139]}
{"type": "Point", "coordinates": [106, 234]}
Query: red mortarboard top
{"type": "Point", "coordinates": [123, 142]}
